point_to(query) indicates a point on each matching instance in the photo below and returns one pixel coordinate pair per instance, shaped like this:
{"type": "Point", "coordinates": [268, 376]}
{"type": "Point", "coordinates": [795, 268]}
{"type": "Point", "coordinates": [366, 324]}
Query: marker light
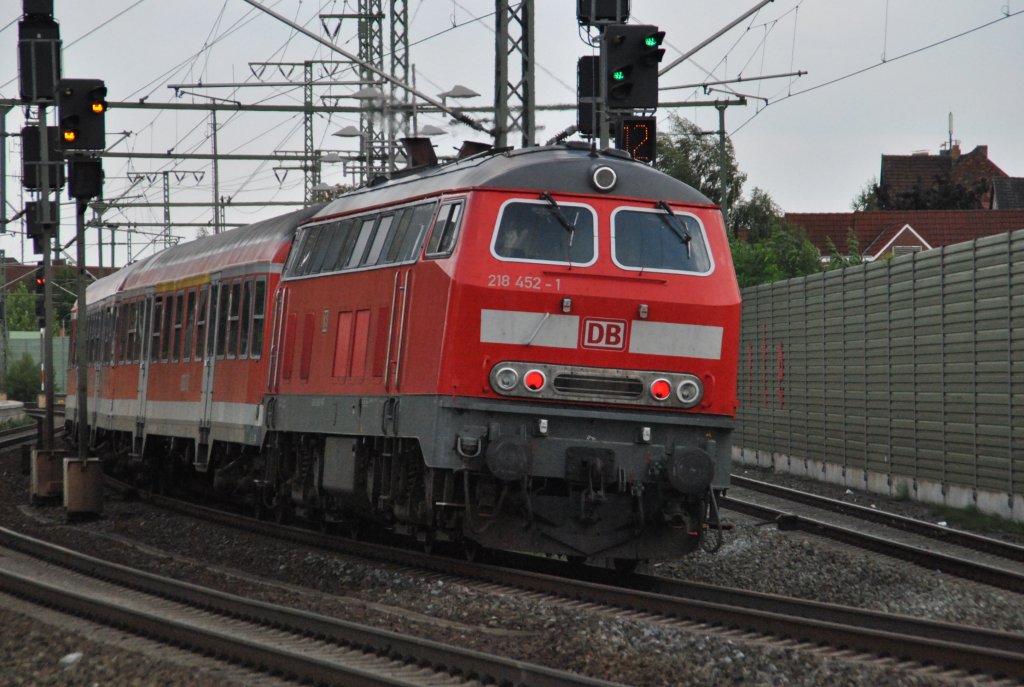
{"type": "Point", "coordinates": [661, 389]}
{"type": "Point", "coordinates": [506, 379]}
{"type": "Point", "coordinates": [534, 380]}
{"type": "Point", "coordinates": [689, 392]}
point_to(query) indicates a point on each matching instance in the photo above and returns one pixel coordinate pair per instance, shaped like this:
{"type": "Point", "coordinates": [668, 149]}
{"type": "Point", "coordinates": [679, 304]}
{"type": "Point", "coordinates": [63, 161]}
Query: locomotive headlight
{"type": "Point", "coordinates": [689, 392]}
{"type": "Point", "coordinates": [661, 389]}
{"type": "Point", "coordinates": [534, 380]}
{"type": "Point", "coordinates": [603, 178]}
{"type": "Point", "coordinates": [506, 379]}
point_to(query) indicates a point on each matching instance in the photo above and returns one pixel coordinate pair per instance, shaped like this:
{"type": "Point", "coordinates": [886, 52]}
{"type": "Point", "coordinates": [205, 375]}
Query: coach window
{"type": "Point", "coordinates": [446, 230]}
{"type": "Point", "coordinates": [365, 232]}
{"type": "Point", "coordinates": [245, 319]}
{"type": "Point", "coordinates": [190, 325]}
{"type": "Point", "coordinates": [111, 330]}
{"type": "Point", "coordinates": [539, 231]}
{"type": "Point", "coordinates": [259, 304]}
{"type": "Point", "coordinates": [158, 312]}
{"type": "Point", "coordinates": [165, 343]}
{"type": "Point", "coordinates": [204, 294]}
{"type": "Point", "coordinates": [233, 310]}
{"type": "Point", "coordinates": [179, 307]}
{"type": "Point", "coordinates": [654, 240]}
{"type": "Point", "coordinates": [131, 339]}
{"type": "Point", "coordinates": [223, 299]}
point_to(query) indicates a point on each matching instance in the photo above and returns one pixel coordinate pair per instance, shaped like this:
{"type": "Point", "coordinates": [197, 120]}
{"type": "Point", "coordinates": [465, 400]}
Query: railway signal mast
{"type": "Point", "coordinates": [620, 82]}
{"type": "Point", "coordinates": [82, 110]}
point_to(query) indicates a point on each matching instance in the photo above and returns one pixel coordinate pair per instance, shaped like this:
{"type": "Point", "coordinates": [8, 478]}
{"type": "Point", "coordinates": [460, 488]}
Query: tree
{"type": "Point", "coordinates": [755, 218]}
{"type": "Point", "coordinates": [21, 309]}
{"type": "Point", "coordinates": [23, 379]}
{"type": "Point", "coordinates": [867, 199]}
{"type": "Point", "coordinates": [685, 153]}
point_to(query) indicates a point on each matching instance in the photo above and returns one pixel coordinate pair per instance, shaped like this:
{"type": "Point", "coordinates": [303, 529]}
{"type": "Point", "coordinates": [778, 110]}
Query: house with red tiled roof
{"type": "Point", "coordinates": [885, 233]}
{"type": "Point", "coordinates": [949, 179]}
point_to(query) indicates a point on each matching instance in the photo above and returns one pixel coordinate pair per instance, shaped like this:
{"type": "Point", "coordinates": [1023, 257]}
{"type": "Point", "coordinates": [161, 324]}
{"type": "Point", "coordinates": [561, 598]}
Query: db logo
{"type": "Point", "coordinates": [607, 334]}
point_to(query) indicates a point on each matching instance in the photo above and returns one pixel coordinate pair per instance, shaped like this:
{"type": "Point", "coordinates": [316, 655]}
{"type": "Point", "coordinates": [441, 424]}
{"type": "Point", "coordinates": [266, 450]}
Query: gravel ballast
{"type": "Point", "coordinates": [621, 647]}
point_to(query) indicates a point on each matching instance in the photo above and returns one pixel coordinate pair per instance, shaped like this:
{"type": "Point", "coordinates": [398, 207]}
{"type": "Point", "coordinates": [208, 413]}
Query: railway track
{"type": "Point", "coordinates": [305, 646]}
{"type": "Point", "coordinates": [868, 633]}
{"type": "Point", "coordinates": [1001, 569]}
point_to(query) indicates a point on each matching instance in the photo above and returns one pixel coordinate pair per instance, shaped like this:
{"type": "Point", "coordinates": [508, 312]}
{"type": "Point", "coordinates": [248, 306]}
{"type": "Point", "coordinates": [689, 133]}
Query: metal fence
{"type": "Point", "coordinates": [902, 376]}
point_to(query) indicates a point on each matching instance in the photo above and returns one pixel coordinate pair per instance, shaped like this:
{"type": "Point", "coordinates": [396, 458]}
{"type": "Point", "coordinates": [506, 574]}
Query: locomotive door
{"type": "Point", "coordinates": [396, 328]}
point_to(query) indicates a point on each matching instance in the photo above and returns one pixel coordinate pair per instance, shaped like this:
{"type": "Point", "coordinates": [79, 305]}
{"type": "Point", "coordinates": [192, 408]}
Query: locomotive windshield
{"type": "Point", "coordinates": [537, 231]}
{"type": "Point", "coordinates": [656, 240]}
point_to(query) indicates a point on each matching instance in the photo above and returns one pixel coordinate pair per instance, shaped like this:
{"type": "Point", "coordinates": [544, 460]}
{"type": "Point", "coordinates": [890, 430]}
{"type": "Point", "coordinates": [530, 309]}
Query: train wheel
{"type": "Point", "coordinates": [472, 551]}
{"type": "Point", "coordinates": [283, 512]}
{"type": "Point", "coordinates": [626, 565]}
{"type": "Point", "coordinates": [429, 542]}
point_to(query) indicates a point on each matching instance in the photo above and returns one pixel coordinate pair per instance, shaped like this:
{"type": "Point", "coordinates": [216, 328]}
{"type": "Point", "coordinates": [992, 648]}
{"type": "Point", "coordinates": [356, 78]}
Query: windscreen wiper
{"type": "Point", "coordinates": [556, 210]}
{"type": "Point", "coordinates": [681, 232]}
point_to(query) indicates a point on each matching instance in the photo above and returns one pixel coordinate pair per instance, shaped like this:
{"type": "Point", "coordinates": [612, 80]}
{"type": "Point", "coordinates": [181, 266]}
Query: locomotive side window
{"type": "Point", "coordinates": [446, 230]}
{"type": "Point", "coordinates": [407, 237]}
{"type": "Point", "coordinates": [344, 238]}
{"type": "Point", "coordinates": [365, 231]}
{"type": "Point", "coordinates": [659, 241]}
{"type": "Point", "coordinates": [324, 237]}
{"type": "Point", "coordinates": [300, 265]}
{"type": "Point", "coordinates": [539, 231]}
{"type": "Point", "coordinates": [383, 231]}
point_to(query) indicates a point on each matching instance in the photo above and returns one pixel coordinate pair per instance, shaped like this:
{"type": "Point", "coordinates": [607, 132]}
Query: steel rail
{"type": "Point", "coordinates": [370, 640]}
{"type": "Point", "coordinates": [949, 535]}
{"type": "Point", "coordinates": [925, 641]}
{"type": "Point", "coordinates": [933, 560]}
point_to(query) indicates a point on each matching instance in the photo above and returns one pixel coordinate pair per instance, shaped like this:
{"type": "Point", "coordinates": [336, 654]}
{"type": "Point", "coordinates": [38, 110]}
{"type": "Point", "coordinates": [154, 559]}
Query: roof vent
{"type": "Point", "coordinates": [419, 151]}
{"type": "Point", "coordinates": [471, 148]}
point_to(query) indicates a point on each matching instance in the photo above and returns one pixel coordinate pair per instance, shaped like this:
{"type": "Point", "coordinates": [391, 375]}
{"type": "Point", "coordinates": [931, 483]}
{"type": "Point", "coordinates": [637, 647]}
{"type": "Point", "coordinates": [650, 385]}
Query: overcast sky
{"type": "Point", "coordinates": [882, 76]}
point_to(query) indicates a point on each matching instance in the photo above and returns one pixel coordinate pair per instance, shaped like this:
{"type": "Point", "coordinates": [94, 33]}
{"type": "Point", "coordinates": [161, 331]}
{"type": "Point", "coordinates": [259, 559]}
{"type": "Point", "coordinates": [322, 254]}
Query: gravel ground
{"type": "Point", "coordinates": [621, 649]}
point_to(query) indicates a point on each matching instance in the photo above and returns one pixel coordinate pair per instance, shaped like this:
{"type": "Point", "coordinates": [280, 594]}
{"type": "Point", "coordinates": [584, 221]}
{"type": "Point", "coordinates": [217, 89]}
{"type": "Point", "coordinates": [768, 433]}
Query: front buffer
{"type": "Point", "coordinates": [587, 482]}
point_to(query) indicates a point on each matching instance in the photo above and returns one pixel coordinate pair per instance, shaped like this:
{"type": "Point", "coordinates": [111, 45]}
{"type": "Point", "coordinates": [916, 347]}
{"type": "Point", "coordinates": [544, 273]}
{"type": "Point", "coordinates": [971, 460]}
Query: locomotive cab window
{"type": "Point", "coordinates": [543, 231]}
{"type": "Point", "coordinates": [446, 230]}
{"type": "Point", "coordinates": [655, 240]}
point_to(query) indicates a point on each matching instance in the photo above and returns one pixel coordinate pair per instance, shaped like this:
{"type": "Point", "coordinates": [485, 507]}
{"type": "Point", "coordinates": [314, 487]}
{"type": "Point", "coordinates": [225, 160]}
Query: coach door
{"type": "Point", "coordinates": [207, 324]}
{"type": "Point", "coordinates": [143, 342]}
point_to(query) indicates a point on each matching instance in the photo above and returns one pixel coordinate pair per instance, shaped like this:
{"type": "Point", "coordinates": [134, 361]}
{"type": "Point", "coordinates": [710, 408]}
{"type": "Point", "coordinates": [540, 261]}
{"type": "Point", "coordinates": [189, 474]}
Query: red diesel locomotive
{"type": "Point", "coordinates": [531, 350]}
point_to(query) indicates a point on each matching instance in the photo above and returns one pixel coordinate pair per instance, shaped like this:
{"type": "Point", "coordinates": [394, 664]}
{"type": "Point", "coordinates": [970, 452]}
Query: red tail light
{"type": "Point", "coordinates": [534, 380]}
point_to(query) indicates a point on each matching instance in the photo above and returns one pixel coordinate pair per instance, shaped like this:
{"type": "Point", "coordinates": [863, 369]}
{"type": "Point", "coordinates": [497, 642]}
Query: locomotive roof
{"type": "Point", "coordinates": [558, 169]}
{"type": "Point", "coordinates": [256, 243]}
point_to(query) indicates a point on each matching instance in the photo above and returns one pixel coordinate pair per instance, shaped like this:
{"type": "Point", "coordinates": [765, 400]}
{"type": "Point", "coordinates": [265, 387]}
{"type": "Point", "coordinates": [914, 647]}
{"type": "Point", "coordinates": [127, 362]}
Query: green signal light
{"type": "Point", "coordinates": [618, 75]}
{"type": "Point", "coordinates": [651, 41]}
